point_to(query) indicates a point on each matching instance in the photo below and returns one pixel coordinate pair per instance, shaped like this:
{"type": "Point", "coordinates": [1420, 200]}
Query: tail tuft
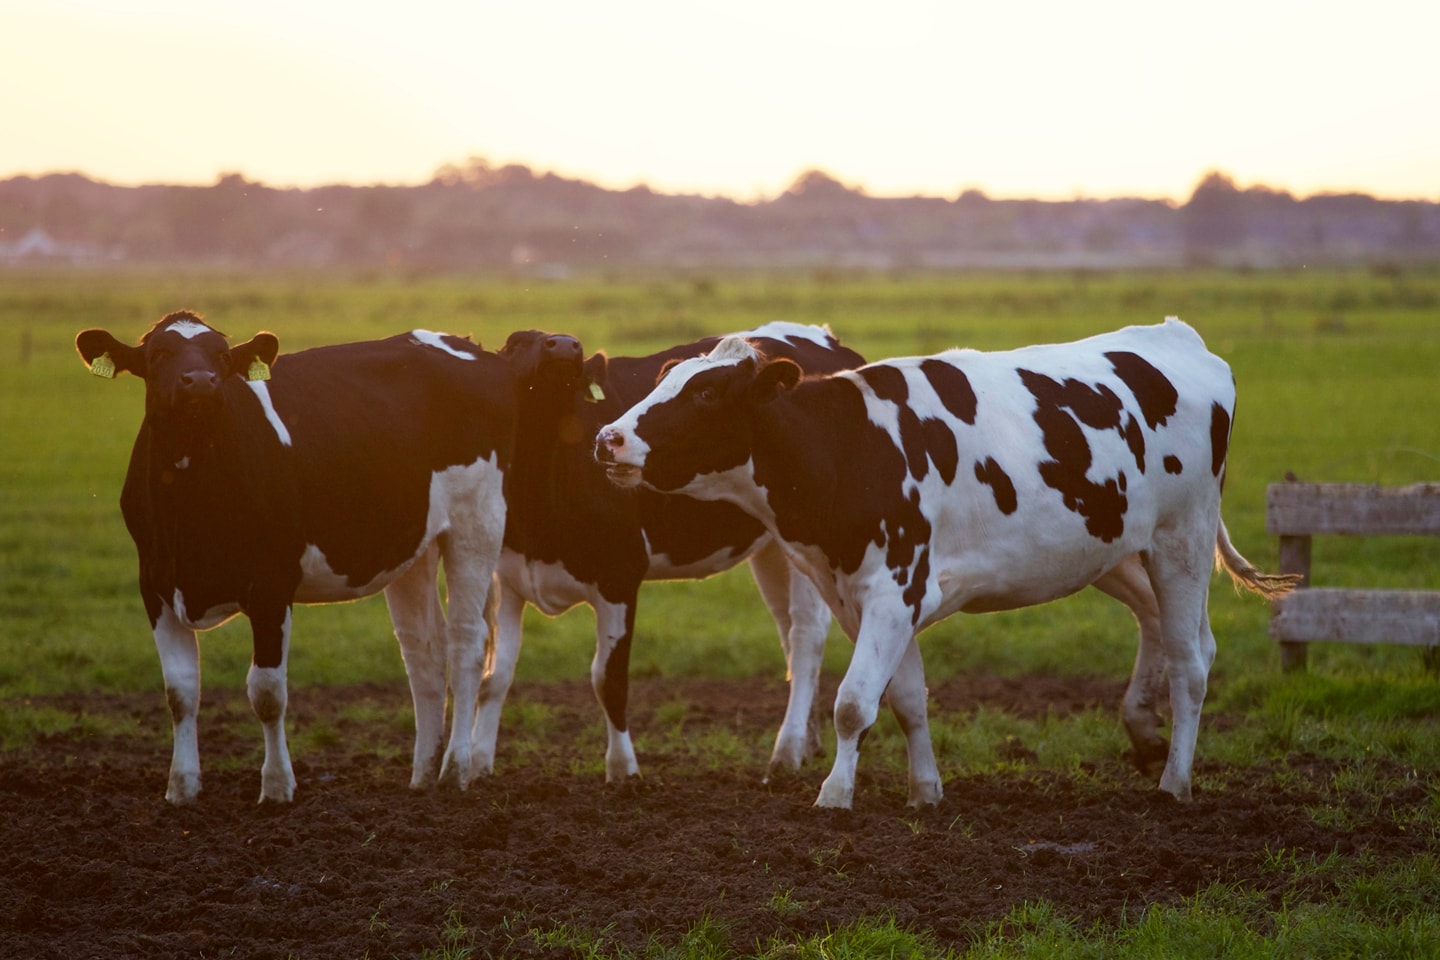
{"type": "Point", "coordinates": [1245, 574]}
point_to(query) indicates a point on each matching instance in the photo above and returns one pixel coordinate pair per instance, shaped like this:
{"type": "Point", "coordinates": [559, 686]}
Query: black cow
{"type": "Point", "coordinates": [350, 469]}
{"type": "Point", "coordinates": [572, 537]}
{"type": "Point", "coordinates": [915, 488]}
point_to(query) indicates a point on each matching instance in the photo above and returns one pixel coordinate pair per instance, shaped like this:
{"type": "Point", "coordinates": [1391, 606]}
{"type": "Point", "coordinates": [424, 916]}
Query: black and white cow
{"type": "Point", "coordinates": [911, 489]}
{"type": "Point", "coordinates": [572, 537]}
{"type": "Point", "coordinates": [350, 469]}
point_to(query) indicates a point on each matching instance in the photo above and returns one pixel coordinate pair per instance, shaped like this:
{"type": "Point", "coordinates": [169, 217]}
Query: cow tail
{"type": "Point", "coordinates": [1247, 575]}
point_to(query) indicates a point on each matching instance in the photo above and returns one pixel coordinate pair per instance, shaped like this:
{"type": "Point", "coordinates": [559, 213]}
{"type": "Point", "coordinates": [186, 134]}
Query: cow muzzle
{"type": "Point", "coordinates": [197, 392]}
{"type": "Point", "coordinates": [610, 448]}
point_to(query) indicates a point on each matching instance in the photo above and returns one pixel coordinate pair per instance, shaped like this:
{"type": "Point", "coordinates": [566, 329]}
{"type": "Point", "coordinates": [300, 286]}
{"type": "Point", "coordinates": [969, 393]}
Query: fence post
{"type": "Point", "coordinates": [1294, 558]}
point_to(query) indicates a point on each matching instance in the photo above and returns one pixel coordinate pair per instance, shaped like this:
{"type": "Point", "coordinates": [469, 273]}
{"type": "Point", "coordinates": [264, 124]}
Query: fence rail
{"type": "Point", "coordinates": [1295, 512]}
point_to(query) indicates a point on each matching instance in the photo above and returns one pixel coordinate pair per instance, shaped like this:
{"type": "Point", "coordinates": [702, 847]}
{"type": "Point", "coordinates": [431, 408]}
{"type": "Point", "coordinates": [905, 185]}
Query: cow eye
{"type": "Point", "coordinates": [707, 395]}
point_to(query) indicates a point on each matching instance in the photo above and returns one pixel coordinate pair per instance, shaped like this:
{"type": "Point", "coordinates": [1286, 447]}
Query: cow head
{"type": "Point", "coordinates": [552, 377]}
{"type": "Point", "coordinates": [697, 420]}
{"type": "Point", "coordinates": [546, 364]}
{"type": "Point", "coordinates": [183, 361]}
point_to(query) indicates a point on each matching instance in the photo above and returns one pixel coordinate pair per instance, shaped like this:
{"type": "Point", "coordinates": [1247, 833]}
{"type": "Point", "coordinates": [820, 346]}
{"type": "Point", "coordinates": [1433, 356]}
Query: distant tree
{"type": "Point", "coordinates": [65, 216]}
{"type": "Point", "coordinates": [385, 211]}
{"type": "Point", "coordinates": [1214, 218]}
{"type": "Point", "coordinates": [819, 185]}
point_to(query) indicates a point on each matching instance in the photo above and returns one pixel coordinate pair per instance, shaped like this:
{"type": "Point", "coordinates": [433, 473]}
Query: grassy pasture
{"type": "Point", "coordinates": [1337, 376]}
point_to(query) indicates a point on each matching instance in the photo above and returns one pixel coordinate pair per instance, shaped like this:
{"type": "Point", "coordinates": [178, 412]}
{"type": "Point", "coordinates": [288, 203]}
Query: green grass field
{"type": "Point", "coordinates": [1337, 376]}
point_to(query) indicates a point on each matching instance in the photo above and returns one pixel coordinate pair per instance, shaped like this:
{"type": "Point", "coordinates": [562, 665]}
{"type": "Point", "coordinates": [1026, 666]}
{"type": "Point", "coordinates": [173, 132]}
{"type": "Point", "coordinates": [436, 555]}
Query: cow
{"type": "Point", "coordinates": [572, 537]}
{"type": "Point", "coordinates": [346, 470]}
{"type": "Point", "coordinates": [915, 488]}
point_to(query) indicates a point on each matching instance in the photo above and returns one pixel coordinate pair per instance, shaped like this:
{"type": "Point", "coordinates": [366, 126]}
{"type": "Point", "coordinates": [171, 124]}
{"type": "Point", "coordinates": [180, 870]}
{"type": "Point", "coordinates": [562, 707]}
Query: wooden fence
{"type": "Point", "coordinates": [1295, 512]}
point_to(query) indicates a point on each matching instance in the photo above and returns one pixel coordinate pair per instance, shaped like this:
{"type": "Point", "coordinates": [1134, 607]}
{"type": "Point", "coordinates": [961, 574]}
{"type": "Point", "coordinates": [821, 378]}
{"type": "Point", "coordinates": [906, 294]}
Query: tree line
{"type": "Point", "coordinates": [478, 216]}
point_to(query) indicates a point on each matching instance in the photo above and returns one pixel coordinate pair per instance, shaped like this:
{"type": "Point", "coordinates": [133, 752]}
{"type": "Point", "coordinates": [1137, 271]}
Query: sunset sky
{"type": "Point", "coordinates": [1024, 99]}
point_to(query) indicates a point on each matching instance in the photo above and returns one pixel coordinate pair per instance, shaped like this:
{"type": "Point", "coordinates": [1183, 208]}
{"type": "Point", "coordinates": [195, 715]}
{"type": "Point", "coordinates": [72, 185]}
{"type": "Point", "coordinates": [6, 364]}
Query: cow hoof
{"type": "Point", "coordinates": [1180, 791]}
{"type": "Point", "coordinates": [781, 773]}
{"type": "Point", "coordinates": [786, 760]}
{"type": "Point", "coordinates": [451, 777]}
{"type": "Point", "coordinates": [1149, 759]}
{"type": "Point", "coordinates": [183, 789]}
{"type": "Point", "coordinates": [926, 794]}
{"type": "Point", "coordinates": [621, 773]}
{"type": "Point", "coordinates": [268, 795]}
{"type": "Point", "coordinates": [834, 797]}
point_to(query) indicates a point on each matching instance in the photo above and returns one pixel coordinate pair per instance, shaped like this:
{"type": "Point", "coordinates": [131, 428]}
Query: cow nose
{"type": "Point", "coordinates": [562, 347]}
{"type": "Point", "coordinates": [607, 443]}
{"type": "Point", "coordinates": [199, 381]}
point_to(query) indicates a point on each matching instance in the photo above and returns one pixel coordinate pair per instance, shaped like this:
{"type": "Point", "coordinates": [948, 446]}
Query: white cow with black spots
{"type": "Point", "coordinates": [912, 489]}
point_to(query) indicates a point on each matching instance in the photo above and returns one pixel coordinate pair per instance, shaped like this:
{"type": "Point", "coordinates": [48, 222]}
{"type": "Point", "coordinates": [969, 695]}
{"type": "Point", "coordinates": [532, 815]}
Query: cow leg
{"type": "Point", "coordinates": [472, 599]}
{"type": "Point", "coordinates": [610, 676]}
{"type": "Point", "coordinates": [907, 697]}
{"type": "Point", "coordinates": [1130, 584]}
{"type": "Point", "coordinates": [419, 621]}
{"type": "Point", "coordinates": [802, 617]}
{"type": "Point", "coordinates": [500, 663]}
{"type": "Point", "coordinates": [880, 645]}
{"type": "Point", "coordinates": [180, 666]}
{"type": "Point", "coordinates": [266, 686]}
{"type": "Point", "coordinates": [1179, 567]}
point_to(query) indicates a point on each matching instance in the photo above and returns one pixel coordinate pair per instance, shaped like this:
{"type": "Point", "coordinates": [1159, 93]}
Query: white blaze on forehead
{"type": "Point", "coordinates": [262, 390]}
{"type": "Point", "coordinates": [189, 329]}
{"type": "Point", "coordinates": [731, 350]}
{"type": "Point", "coordinates": [789, 330]}
{"type": "Point", "coordinates": [436, 340]}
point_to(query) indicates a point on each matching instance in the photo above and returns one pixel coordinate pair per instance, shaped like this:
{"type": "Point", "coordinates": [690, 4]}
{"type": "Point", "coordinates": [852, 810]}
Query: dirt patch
{"type": "Point", "coordinates": [93, 862]}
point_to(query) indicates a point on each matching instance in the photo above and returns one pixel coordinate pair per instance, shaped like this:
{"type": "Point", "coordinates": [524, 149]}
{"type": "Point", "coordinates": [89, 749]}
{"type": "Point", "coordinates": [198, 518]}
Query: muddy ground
{"type": "Point", "coordinates": [93, 862]}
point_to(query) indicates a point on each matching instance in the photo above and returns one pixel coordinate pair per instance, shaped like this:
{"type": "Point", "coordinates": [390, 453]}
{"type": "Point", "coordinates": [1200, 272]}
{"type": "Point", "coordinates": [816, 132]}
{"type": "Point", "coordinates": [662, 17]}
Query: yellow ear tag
{"type": "Point", "coordinates": [596, 394]}
{"type": "Point", "coordinates": [103, 366]}
{"type": "Point", "coordinates": [259, 370]}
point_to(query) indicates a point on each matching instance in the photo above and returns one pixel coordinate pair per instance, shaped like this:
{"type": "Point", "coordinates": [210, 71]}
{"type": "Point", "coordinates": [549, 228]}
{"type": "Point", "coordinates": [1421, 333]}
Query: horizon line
{"type": "Point", "coordinates": [539, 173]}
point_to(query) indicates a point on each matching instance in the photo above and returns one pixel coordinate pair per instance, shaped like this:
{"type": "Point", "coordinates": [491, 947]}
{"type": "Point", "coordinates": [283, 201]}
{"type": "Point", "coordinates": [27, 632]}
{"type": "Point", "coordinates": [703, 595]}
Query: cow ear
{"type": "Point", "coordinates": [597, 376]}
{"type": "Point", "coordinates": [255, 355]}
{"type": "Point", "coordinates": [665, 369]}
{"type": "Point", "coordinates": [106, 356]}
{"type": "Point", "coordinates": [774, 378]}
{"type": "Point", "coordinates": [517, 341]}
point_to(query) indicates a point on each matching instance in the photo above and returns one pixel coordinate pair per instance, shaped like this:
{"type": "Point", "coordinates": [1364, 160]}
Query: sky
{"type": "Point", "coordinates": [1028, 98]}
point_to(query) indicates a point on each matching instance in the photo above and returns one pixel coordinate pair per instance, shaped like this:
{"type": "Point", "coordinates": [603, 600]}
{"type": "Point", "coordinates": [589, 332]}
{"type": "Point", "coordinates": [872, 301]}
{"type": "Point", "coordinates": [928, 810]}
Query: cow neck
{"type": "Point", "coordinates": [793, 451]}
{"type": "Point", "coordinates": [197, 483]}
{"type": "Point", "coordinates": [548, 469]}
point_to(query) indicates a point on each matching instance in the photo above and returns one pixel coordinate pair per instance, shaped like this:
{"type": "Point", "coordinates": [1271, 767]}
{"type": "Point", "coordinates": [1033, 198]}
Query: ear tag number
{"type": "Point", "coordinates": [259, 370]}
{"type": "Point", "coordinates": [596, 394]}
{"type": "Point", "coordinates": [103, 366]}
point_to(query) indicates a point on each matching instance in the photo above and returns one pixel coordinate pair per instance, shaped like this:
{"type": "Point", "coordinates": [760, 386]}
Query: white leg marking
{"type": "Point", "coordinates": [419, 621]}
{"type": "Point", "coordinates": [907, 696]}
{"type": "Point", "coordinates": [180, 666]}
{"type": "Point", "coordinates": [499, 674]}
{"type": "Point", "coordinates": [470, 552]}
{"type": "Point", "coordinates": [610, 626]}
{"type": "Point", "coordinates": [802, 617]}
{"type": "Point", "coordinates": [268, 697]}
{"type": "Point", "coordinates": [882, 641]}
{"type": "Point", "coordinates": [1179, 567]}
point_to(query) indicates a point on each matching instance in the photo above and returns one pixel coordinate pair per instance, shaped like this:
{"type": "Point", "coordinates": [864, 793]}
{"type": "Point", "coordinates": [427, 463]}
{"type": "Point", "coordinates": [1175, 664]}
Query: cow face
{"type": "Point", "coordinates": [183, 362]}
{"type": "Point", "coordinates": [550, 378]}
{"type": "Point", "coordinates": [697, 421]}
{"type": "Point", "coordinates": [546, 363]}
